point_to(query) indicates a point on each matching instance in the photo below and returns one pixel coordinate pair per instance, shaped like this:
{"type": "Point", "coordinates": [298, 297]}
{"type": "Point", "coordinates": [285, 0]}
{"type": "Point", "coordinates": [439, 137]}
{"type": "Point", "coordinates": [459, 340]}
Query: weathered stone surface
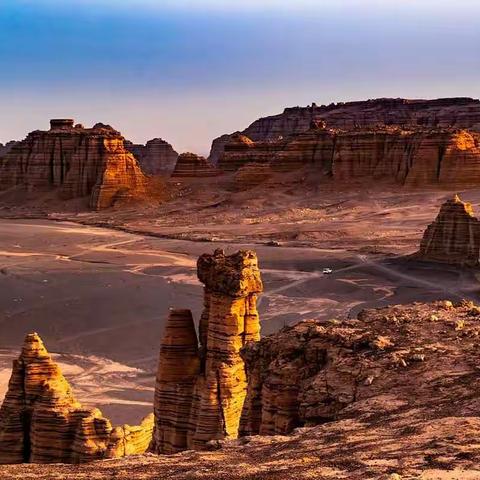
{"type": "Point", "coordinates": [454, 236]}
{"type": "Point", "coordinates": [309, 373]}
{"type": "Point", "coordinates": [413, 157]}
{"type": "Point", "coordinates": [191, 165]}
{"type": "Point", "coordinates": [156, 157]}
{"type": "Point", "coordinates": [41, 422]}
{"type": "Point", "coordinates": [251, 175]}
{"type": "Point", "coordinates": [457, 113]}
{"type": "Point", "coordinates": [178, 370]}
{"type": "Point", "coordinates": [200, 393]}
{"type": "Point", "coordinates": [77, 161]}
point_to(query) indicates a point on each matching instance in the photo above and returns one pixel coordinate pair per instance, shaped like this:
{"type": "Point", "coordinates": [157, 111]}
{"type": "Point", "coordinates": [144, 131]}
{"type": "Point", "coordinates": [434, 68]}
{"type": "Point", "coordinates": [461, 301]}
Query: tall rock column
{"type": "Point", "coordinates": [230, 320]}
{"type": "Point", "coordinates": [200, 392]}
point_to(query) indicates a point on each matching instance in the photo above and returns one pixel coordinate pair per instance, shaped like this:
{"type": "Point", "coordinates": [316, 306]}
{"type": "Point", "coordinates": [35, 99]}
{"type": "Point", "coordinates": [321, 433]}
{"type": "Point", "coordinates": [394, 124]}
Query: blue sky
{"type": "Point", "coordinates": [190, 70]}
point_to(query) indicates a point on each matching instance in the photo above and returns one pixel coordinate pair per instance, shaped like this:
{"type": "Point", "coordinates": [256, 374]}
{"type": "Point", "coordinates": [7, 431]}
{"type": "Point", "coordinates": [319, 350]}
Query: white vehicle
{"type": "Point", "coordinates": [327, 271]}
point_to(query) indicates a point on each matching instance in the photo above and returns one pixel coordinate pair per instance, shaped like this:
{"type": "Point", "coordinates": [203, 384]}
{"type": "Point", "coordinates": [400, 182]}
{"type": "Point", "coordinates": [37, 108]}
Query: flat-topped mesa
{"type": "Point", "coordinates": [192, 165]}
{"type": "Point", "coordinates": [415, 157]}
{"type": "Point", "coordinates": [156, 157]}
{"type": "Point", "coordinates": [209, 383]}
{"type": "Point", "coordinates": [454, 236]}
{"type": "Point", "coordinates": [75, 161]}
{"type": "Point", "coordinates": [42, 422]}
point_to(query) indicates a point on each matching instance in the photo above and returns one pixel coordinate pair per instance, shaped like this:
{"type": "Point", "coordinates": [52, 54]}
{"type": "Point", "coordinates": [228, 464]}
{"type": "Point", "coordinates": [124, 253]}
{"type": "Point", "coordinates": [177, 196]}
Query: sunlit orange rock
{"type": "Point", "coordinates": [209, 383]}
{"type": "Point", "coordinates": [75, 161]}
{"type": "Point", "coordinates": [454, 236]}
{"type": "Point", "coordinates": [42, 422]}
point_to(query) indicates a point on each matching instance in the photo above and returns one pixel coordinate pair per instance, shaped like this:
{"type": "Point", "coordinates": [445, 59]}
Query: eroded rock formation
{"type": "Point", "coordinates": [156, 157]}
{"type": "Point", "coordinates": [412, 157]}
{"type": "Point", "coordinates": [308, 374]}
{"type": "Point", "coordinates": [191, 165]}
{"type": "Point", "coordinates": [200, 390]}
{"type": "Point", "coordinates": [75, 160]}
{"type": "Point", "coordinates": [42, 422]}
{"type": "Point", "coordinates": [454, 236]}
{"type": "Point", "coordinates": [460, 113]}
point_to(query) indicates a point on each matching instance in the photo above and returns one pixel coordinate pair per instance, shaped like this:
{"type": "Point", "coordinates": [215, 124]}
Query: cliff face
{"type": "Point", "coordinates": [77, 161]}
{"type": "Point", "coordinates": [319, 372]}
{"type": "Point", "coordinates": [156, 157]}
{"type": "Point", "coordinates": [41, 422]}
{"type": "Point", "coordinates": [459, 113]}
{"type": "Point", "coordinates": [454, 236]}
{"type": "Point", "coordinates": [411, 157]}
{"type": "Point", "coordinates": [200, 391]}
{"type": "Point", "coordinates": [191, 165]}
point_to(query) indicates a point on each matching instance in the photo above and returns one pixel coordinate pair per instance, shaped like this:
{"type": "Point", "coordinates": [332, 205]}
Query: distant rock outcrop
{"type": "Point", "coordinates": [156, 157]}
{"type": "Point", "coordinates": [365, 132]}
{"type": "Point", "coordinates": [41, 422]}
{"type": "Point", "coordinates": [192, 165]}
{"type": "Point", "coordinates": [75, 160]}
{"type": "Point", "coordinates": [200, 391]}
{"type": "Point", "coordinates": [454, 236]}
{"type": "Point", "coordinates": [412, 157]}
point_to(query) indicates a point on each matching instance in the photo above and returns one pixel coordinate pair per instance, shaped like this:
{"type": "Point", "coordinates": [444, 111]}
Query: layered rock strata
{"type": "Point", "coordinates": [156, 157]}
{"type": "Point", "coordinates": [454, 236]}
{"type": "Point", "coordinates": [76, 161]}
{"type": "Point", "coordinates": [409, 157]}
{"type": "Point", "coordinates": [191, 165]}
{"type": "Point", "coordinates": [42, 422]}
{"type": "Point", "coordinates": [251, 175]}
{"type": "Point", "coordinates": [201, 386]}
{"type": "Point", "coordinates": [309, 374]}
{"type": "Point", "coordinates": [460, 113]}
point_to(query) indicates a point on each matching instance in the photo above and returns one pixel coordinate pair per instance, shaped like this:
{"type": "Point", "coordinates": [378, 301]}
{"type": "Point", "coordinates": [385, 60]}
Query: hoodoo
{"type": "Point", "coordinates": [42, 422]}
{"type": "Point", "coordinates": [454, 236]}
{"type": "Point", "coordinates": [76, 161]}
{"type": "Point", "coordinates": [200, 390]}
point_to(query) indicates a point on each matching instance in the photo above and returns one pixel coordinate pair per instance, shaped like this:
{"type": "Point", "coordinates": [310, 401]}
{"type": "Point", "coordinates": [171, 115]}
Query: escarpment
{"type": "Point", "coordinates": [201, 383]}
{"type": "Point", "coordinates": [75, 161]}
{"type": "Point", "coordinates": [156, 157]}
{"type": "Point", "coordinates": [42, 422]}
{"type": "Point", "coordinates": [459, 113]}
{"type": "Point", "coordinates": [454, 236]}
{"type": "Point", "coordinates": [191, 165]}
{"type": "Point", "coordinates": [415, 157]}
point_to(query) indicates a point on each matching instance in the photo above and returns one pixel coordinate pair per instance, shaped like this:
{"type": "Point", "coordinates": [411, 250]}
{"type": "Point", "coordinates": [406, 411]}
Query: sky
{"type": "Point", "coordinates": [191, 70]}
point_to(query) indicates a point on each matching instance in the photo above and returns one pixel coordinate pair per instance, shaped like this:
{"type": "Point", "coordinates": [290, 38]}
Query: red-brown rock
{"type": "Point", "coordinates": [454, 236]}
{"type": "Point", "coordinates": [76, 161]}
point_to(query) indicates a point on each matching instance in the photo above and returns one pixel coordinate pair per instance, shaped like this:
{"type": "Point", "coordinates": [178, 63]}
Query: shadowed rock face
{"type": "Point", "coordinates": [408, 157]}
{"type": "Point", "coordinates": [200, 392]}
{"type": "Point", "coordinates": [77, 161]}
{"type": "Point", "coordinates": [41, 422]}
{"type": "Point", "coordinates": [454, 236]}
{"type": "Point", "coordinates": [191, 165]}
{"type": "Point", "coordinates": [156, 157]}
{"type": "Point", "coordinates": [460, 113]}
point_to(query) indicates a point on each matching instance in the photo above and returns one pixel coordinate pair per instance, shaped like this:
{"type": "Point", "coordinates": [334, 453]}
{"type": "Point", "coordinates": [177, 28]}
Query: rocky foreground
{"type": "Point", "coordinates": [397, 394]}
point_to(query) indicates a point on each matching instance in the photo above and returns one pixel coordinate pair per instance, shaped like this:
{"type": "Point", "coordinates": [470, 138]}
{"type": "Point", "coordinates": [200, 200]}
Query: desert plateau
{"type": "Point", "coordinates": [239, 241]}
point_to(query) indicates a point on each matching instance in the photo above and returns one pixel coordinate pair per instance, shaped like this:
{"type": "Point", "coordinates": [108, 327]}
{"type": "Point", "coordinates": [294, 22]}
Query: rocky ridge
{"type": "Point", "coordinates": [392, 393]}
{"type": "Point", "coordinates": [200, 391]}
{"type": "Point", "coordinates": [414, 157]}
{"type": "Point", "coordinates": [454, 236]}
{"type": "Point", "coordinates": [460, 113]}
{"type": "Point", "coordinates": [42, 422]}
{"type": "Point", "coordinates": [156, 157]}
{"type": "Point", "coordinates": [76, 161]}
